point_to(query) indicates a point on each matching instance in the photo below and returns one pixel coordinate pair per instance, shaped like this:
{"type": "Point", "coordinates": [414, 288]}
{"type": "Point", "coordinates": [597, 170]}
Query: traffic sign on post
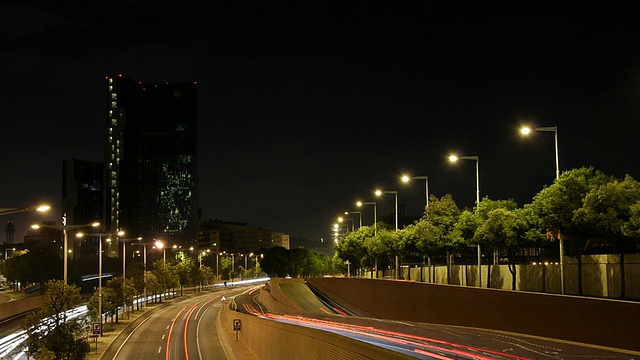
{"type": "Point", "coordinates": [236, 327]}
{"type": "Point", "coordinates": [96, 329]}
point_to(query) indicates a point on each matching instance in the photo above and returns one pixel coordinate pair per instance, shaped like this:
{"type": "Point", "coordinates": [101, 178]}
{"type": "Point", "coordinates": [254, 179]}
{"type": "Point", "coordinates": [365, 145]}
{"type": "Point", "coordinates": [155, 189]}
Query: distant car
{"type": "Point", "coordinates": [3, 288]}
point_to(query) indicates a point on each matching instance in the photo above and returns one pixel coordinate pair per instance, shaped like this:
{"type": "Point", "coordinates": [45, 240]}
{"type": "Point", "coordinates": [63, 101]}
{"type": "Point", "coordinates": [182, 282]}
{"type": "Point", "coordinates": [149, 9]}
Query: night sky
{"type": "Point", "coordinates": [304, 109]}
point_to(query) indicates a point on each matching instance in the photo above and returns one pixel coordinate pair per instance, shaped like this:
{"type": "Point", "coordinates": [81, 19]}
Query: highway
{"type": "Point", "coordinates": [185, 329]}
{"type": "Point", "coordinates": [188, 328]}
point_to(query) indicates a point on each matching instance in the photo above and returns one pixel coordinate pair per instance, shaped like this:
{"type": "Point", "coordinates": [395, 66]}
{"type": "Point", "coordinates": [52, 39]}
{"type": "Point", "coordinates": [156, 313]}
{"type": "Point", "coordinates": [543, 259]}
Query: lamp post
{"type": "Point", "coordinates": [406, 178]}
{"type": "Point", "coordinates": [554, 129]}
{"type": "Point", "coordinates": [341, 219]}
{"type": "Point", "coordinates": [39, 208]}
{"type": "Point", "coordinates": [144, 261]}
{"type": "Point", "coordinates": [355, 212]}
{"type": "Point", "coordinates": [454, 158]}
{"type": "Point", "coordinates": [124, 256]}
{"type": "Point", "coordinates": [6, 252]}
{"type": "Point", "coordinates": [100, 236]}
{"type": "Point", "coordinates": [64, 227]}
{"type": "Point", "coordinates": [379, 193]}
{"type": "Point", "coordinates": [375, 214]}
{"type": "Point", "coordinates": [160, 245]}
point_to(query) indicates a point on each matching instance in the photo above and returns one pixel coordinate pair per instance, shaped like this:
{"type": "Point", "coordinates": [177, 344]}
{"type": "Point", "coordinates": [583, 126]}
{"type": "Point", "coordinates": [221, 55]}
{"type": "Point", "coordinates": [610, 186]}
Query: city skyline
{"type": "Point", "coordinates": [303, 111]}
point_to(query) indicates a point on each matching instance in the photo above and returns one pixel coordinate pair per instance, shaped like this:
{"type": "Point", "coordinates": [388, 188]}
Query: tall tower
{"type": "Point", "coordinates": [10, 230]}
{"type": "Point", "coordinates": [151, 164]}
{"type": "Point", "coordinates": [82, 200]}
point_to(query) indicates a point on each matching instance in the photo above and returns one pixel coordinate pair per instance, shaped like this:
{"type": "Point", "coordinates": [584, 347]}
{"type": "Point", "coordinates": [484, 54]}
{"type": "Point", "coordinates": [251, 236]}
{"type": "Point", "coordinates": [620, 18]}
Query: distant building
{"type": "Point", "coordinates": [10, 232]}
{"type": "Point", "coordinates": [151, 164]}
{"type": "Point", "coordinates": [240, 238]}
{"type": "Point", "coordinates": [82, 201]}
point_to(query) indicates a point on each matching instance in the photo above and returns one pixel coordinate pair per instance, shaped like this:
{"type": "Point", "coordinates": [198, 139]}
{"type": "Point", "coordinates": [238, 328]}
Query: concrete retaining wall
{"type": "Point", "coordinates": [602, 322]}
{"type": "Point", "coordinates": [276, 341]}
{"type": "Point", "coordinates": [12, 308]}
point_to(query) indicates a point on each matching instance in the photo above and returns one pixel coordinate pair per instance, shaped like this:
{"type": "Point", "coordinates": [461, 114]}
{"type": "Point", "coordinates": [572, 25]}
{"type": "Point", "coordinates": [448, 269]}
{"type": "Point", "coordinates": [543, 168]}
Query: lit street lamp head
{"type": "Point", "coordinates": [38, 208]}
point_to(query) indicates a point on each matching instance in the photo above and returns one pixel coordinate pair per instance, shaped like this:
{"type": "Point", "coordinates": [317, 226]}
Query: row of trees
{"type": "Point", "coordinates": [590, 211]}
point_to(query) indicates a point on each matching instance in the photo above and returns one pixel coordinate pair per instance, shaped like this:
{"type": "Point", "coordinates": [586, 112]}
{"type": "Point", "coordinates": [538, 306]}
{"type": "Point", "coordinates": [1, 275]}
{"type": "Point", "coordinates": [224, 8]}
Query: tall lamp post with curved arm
{"type": "Point", "coordinates": [526, 131]}
{"type": "Point", "coordinates": [454, 158]}
{"type": "Point", "coordinates": [9, 211]}
{"type": "Point", "coordinates": [375, 214]}
{"type": "Point", "coordinates": [375, 223]}
{"type": "Point", "coordinates": [100, 236]}
{"type": "Point", "coordinates": [341, 220]}
{"type": "Point", "coordinates": [554, 129]}
{"type": "Point", "coordinates": [124, 256]}
{"type": "Point", "coordinates": [379, 193]}
{"type": "Point", "coordinates": [407, 178]}
{"type": "Point", "coordinates": [64, 227]}
{"type": "Point", "coordinates": [355, 212]}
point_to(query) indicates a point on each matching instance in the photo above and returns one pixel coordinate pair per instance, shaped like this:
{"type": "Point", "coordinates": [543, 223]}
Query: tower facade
{"type": "Point", "coordinates": [82, 199]}
{"type": "Point", "coordinates": [151, 164]}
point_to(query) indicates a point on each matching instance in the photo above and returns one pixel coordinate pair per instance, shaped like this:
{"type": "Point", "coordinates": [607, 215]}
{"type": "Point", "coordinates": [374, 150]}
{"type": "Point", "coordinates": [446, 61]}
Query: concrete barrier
{"type": "Point", "coordinates": [273, 340]}
{"type": "Point", "coordinates": [609, 323]}
{"type": "Point", "coordinates": [13, 308]}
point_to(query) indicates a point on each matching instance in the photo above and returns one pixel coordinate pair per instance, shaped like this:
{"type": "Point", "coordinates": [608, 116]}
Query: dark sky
{"type": "Point", "coordinates": [304, 109]}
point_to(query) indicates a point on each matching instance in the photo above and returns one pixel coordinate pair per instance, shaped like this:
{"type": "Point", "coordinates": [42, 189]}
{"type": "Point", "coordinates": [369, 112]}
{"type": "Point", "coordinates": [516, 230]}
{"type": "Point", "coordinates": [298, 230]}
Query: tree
{"type": "Point", "coordinates": [440, 219]}
{"type": "Point", "coordinates": [556, 205]}
{"type": "Point", "coordinates": [58, 335]}
{"type": "Point", "coordinates": [183, 270]}
{"type": "Point", "coordinates": [166, 276]}
{"type": "Point", "coordinates": [351, 247]}
{"type": "Point", "coordinates": [607, 212]}
{"type": "Point", "coordinates": [276, 262]}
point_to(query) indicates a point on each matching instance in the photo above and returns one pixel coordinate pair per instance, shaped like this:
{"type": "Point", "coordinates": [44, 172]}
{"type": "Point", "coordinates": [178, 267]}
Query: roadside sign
{"type": "Point", "coordinates": [236, 324]}
{"type": "Point", "coordinates": [96, 330]}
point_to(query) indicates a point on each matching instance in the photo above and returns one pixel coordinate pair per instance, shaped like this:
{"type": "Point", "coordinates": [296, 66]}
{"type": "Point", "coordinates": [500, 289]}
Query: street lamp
{"type": "Point", "coordinates": [375, 214]}
{"type": "Point", "coordinates": [218, 266]}
{"type": "Point", "coordinates": [64, 227]}
{"type": "Point", "coordinates": [6, 252]}
{"type": "Point", "coordinates": [160, 245]}
{"type": "Point", "coordinates": [39, 208]}
{"type": "Point", "coordinates": [454, 158]}
{"type": "Point", "coordinates": [355, 212]}
{"type": "Point", "coordinates": [124, 256]}
{"type": "Point", "coordinates": [144, 261]}
{"type": "Point", "coordinates": [341, 219]}
{"type": "Point", "coordinates": [554, 129]}
{"type": "Point", "coordinates": [379, 193]}
{"type": "Point", "coordinates": [375, 226]}
{"type": "Point", "coordinates": [100, 236]}
{"type": "Point", "coordinates": [406, 178]}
